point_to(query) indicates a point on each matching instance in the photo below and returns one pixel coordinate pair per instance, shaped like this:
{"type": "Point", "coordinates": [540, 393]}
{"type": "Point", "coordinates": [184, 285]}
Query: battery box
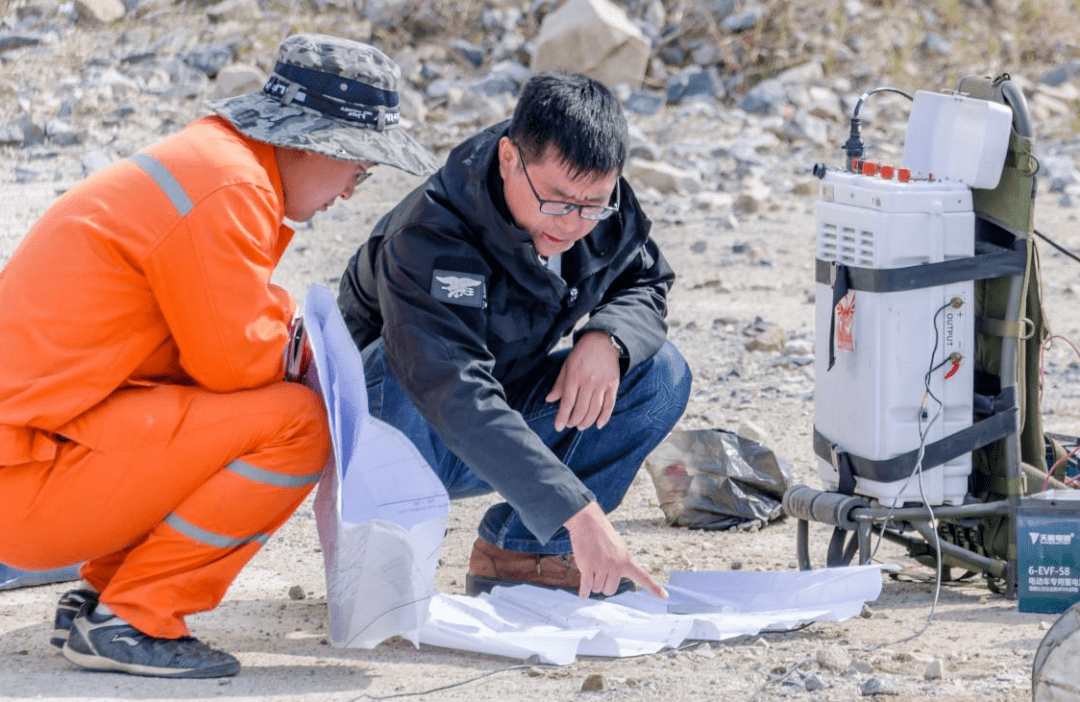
{"type": "Point", "coordinates": [1048, 551]}
{"type": "Point", "coordinates": [874, 401]}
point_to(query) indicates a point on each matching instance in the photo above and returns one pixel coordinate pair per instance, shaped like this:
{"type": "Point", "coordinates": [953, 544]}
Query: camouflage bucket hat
{"type": "Point", "coordinates": [335, 97]}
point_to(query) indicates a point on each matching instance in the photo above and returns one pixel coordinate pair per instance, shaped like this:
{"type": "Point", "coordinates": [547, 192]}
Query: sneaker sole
{"type": "Point", "coordinates": [101, 663]}
{"type": "Point", "coordinates": [479, 584]}
{"type": "Point", "coordinates": [94, 661]}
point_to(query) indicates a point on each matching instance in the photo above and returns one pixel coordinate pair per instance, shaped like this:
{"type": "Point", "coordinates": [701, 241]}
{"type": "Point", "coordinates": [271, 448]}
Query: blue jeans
{"type": "Point", "coordinates": [651, 399]}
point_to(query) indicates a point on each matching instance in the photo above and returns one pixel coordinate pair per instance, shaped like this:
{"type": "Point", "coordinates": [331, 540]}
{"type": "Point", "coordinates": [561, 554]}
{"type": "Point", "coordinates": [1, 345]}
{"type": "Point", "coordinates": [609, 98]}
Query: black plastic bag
{"type": "Point", "coordinates": [715, 479]}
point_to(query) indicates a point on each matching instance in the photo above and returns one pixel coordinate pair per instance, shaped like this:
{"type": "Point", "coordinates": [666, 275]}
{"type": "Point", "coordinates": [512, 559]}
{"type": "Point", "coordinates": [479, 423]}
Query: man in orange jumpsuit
{"type": "Point", "coordinates": [145, 425]}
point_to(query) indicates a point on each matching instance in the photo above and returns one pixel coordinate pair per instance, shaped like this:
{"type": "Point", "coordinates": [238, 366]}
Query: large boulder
{"type": "Point", "coordinates": [594, 37]}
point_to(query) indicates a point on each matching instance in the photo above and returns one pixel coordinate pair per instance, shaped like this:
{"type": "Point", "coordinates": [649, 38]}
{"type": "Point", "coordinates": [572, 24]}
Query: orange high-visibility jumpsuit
{"type": "Point", "coordinates": [145, 426]}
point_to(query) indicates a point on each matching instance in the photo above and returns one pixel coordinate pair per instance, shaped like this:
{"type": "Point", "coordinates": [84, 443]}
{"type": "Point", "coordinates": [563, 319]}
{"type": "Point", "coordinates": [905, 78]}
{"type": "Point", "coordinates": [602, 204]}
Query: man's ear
{"type": "Point", "coordinates": [507, 156]}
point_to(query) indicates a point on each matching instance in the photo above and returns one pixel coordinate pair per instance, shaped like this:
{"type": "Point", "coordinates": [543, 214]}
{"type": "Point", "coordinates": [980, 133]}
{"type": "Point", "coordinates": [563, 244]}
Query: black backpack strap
{"type": "Point", "coordinates": [1004, 422]}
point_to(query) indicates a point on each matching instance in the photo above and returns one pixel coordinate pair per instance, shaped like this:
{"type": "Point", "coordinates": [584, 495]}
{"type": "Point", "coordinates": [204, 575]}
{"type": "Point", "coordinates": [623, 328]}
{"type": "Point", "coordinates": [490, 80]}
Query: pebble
{"type": "Point", "coordinates": [834, 658]}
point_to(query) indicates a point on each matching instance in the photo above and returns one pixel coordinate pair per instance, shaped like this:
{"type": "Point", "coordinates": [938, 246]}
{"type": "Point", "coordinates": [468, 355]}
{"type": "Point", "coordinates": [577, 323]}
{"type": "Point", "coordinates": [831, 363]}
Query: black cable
{"type": "Point", "coordinates": [854, 147]}
{"type": "Point", "coordinates": [933, 352]}
{"type": "Point", "coordinates": [1057, 246]}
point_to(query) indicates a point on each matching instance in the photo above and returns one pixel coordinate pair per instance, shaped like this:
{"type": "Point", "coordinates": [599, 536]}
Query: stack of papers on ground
{"type": "Point", "coordinates": [556, 627]}
{"type": "Point", "coordinates": [381, 513]}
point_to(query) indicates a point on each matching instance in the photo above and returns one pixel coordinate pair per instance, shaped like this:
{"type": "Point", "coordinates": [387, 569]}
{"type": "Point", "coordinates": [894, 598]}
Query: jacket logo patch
{"type": "Point", "coordinates": [458, 288]}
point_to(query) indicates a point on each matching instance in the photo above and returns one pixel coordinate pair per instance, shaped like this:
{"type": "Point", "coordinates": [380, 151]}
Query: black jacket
{"type": "Point", "coordinates": [466, 309]}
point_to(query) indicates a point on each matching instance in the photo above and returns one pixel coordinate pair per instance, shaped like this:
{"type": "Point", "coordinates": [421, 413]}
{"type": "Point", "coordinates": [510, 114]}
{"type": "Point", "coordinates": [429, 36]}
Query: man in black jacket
{"type": "Point", "coordinates": [457, 302]}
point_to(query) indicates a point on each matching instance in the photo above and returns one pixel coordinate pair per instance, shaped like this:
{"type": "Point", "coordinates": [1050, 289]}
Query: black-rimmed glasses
{"type": "Point", "coordinates": [558, 208]}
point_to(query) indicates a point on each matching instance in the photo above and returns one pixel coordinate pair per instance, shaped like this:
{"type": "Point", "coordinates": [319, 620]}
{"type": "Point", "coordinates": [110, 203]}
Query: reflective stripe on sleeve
{"type": "Point", "coordinates": [269, 477]}
{"type": "Point", "coordinates": [208, 537]}
{"type": "Point", "coordinates": [165, 180]}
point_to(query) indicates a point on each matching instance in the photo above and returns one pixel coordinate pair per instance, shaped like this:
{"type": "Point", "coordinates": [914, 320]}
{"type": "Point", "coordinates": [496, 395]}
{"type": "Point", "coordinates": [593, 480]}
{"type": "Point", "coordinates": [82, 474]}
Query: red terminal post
{"type": "Point", "coordinates": [855, 163]}
{"type": "Point", "coordinates": [903, 175]}
{"type": "Point", "coordinates": [887, 172]}
{"type": "Point", "coordinates": [869, 168]}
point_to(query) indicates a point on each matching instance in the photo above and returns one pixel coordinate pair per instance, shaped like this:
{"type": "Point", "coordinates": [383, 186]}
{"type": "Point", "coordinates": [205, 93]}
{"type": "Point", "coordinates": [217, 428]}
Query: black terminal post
{"type": "Point", "coordinates": [854, 147]}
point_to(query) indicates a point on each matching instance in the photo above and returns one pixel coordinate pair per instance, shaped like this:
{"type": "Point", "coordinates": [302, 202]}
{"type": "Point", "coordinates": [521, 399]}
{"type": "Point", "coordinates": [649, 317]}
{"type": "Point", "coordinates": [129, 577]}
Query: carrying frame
{"type": "Point", "coordinates": [1009, 453]}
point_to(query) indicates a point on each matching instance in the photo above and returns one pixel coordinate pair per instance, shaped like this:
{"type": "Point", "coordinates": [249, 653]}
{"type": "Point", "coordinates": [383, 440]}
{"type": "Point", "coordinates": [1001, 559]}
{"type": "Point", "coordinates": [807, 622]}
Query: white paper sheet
{"type": "Point", "coordinates": [381, 514]}
{"type": "Point", "coordinates": [557, 627]}
{"type": "Point", "coordinates": [381, 511]}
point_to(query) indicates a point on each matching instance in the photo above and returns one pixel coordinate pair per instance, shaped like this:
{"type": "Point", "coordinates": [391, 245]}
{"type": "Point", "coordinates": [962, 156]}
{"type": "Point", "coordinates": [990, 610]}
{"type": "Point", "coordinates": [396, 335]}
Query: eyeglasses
{"type": "Point", "coordinates": [557, 207]}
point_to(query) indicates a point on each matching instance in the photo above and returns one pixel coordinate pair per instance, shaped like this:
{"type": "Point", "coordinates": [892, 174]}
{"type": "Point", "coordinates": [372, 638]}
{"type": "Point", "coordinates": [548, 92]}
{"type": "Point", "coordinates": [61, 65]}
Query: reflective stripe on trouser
{"type": "Point", "coordinates": [166, 492]}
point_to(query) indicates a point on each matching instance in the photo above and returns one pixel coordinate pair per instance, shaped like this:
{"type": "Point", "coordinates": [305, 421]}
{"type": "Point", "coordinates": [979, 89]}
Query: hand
{"type": "Point", "coordinates": [601, 555]}
{"type": "Point", "coordinates": [587, 383]}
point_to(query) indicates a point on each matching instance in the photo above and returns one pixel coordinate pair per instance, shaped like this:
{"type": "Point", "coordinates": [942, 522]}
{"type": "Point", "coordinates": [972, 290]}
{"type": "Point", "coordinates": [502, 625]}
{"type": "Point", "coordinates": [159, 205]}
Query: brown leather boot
{"type": "Point", "coordinates": [490, 566]}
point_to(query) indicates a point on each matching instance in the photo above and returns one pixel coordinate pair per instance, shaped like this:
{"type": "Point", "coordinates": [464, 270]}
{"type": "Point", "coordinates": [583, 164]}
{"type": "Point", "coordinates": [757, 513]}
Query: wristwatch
{"type": "Point", "coordinates": [618, 345]}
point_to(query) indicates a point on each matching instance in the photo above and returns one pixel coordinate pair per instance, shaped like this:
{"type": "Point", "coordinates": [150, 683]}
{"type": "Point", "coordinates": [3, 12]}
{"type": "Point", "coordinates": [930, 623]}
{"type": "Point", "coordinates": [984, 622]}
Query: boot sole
{"type": "Point", "coordinates": [478, 584]}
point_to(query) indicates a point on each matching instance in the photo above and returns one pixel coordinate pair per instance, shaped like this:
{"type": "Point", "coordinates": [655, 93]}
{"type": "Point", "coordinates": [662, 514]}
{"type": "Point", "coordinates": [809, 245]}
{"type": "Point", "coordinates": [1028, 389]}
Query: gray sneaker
{"type": "Point", "coordinates": [107, 642]}
{"type": "Point", "coordinates": [69, 605]}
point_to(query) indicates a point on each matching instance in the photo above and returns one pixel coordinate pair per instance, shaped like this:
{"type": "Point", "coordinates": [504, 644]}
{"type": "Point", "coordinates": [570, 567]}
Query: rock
{"type": "Point", "coordinates": [210, 58]}
{"type": "Point", "coordinates": [665, 178]}
{"type": "Point", "coordinates": [94, 161]}
{"type": "Point", "coordinates": [61, 133]}
{"type": "Point", "coordinates": [593, 683]}
{"type": "Point", "coordinates": [695, 82]}
{"type": "Point", "coordinates": [879, 685]}
{"type": "Point", "coordinates": [16, 40]}
{"type": "Point", "coordinates": [743, 20]}
{"type": "Point", "coordinates": [752, 431]}
{"type": "Point", "coordinates": [237, 79]}
{"type": "Point", "coordinates": [935, 44]}
{"type": "Point", "coordinates": [711, 200]}
{"type": "Point", "coordinates": [824, 104]}
{"type": "Point", "coordinates": [1061, 74]}
{"type": "Point", "coordinates": [296, 592]}
{"type": "Point", "coordinates": [99, 11]}
{"type": "Point", "coordinates": [858, 667]}
{"type": "Point", "coordinates": [935, 670]}
{"type": "Point", "coordinates": [753, 198]}
{"type": "Point", "coordinates": [11, 135]}
{"type": "Point", "coordinates": [473, 53]}
{"type": "Point", "coordinates": [594, 37]}
{"type": "Point", "coordinates": [388, 14]}
{"type": "Point", "coordinates": [800, 75]}
{"type": "Point", "coordinates": [644, 102]}
{"type": "Point", "coordinates": [26, 175]}
{"type": "Point", "coordinates": [834, 659]}
{"type": "Point", "coordinates": [241, 10]}
{"type": "Point", "coordinates": [767, 97]}
{"type": "Point", "coordinates": [806, 127]}
{"type": "Point", "coordinates": [506, 77]}
{"type": "Point", "coordinates": [32, 131]}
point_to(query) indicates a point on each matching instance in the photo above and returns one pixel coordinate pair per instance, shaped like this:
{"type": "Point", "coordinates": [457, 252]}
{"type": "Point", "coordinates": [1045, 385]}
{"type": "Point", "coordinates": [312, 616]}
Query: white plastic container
{"type": "Point", "coordinates": [958, 138]}
{"type": "Point", "coordinates": [870, 402]}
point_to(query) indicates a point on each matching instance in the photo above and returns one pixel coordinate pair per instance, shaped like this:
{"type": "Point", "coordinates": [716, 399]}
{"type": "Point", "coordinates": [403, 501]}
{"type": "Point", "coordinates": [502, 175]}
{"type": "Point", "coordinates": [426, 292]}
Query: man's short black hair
{"type": "Point", "coordinates": [575, 114]}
